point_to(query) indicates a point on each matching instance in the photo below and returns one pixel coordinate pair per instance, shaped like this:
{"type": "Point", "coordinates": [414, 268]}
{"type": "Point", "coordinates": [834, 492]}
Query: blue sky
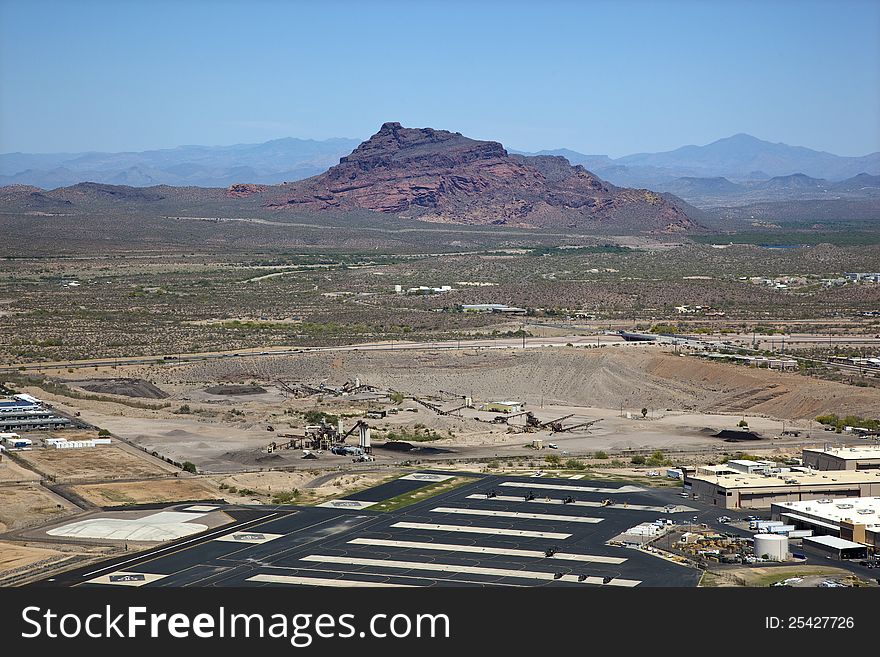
{"type": "Point", "coordinates": [597, 77]}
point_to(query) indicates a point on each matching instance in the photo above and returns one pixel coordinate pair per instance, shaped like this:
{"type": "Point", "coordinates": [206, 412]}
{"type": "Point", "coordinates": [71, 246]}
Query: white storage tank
{"type": "Point", "coordinates": [773, 546]}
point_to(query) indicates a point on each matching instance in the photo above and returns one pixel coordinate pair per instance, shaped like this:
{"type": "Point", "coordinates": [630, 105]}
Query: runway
{"type": "Point", "coordinates": [457, 538]}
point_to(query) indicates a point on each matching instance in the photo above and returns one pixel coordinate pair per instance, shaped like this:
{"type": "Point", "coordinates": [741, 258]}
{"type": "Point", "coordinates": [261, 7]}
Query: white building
{"type": "Point", "coordinates": [750, 467]}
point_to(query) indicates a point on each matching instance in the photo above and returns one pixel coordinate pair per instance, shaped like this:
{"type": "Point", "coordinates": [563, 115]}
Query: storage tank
{"type": "Point", "coordinates": [364, 441]}
{"type": "Point", "coordinates": [774, 546]}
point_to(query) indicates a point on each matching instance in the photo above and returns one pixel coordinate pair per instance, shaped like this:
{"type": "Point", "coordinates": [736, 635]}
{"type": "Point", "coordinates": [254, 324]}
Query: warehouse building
{"type": "Point", "coordinates": [24, 412]}
{"type": "Point", "coordinates": [837, 548]}
{"type": "Point", "coordinates": [755, 491]}
{"type": "Point", "coordinates": [853, 518]}
{"type": "Point", "coordinates": [751, 467]}
{"type": "Point", "coordinates": [715, 470]}
{"type": "Point", "coordinates": [843, 458]}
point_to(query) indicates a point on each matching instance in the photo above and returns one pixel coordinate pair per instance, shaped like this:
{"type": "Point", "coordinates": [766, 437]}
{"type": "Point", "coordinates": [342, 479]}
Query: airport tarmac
{"type": "Point", "coordinates": [493, 531]}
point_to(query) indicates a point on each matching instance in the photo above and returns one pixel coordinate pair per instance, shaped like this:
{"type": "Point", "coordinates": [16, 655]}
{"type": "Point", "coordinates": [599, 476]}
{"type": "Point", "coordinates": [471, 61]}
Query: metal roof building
{"type": "Point", "coordinates": [755, 491]}
{"type": "Point", "coordinates": [838, 547]}
{"type": "Point", "coordinates": [843, 458]}
{"type": "Point", "coordinates": [851, 518]}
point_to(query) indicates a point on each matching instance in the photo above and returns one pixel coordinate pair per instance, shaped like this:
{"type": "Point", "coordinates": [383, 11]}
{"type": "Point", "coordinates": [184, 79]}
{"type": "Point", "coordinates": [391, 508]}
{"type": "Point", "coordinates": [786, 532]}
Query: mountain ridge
{"type": "Point", "coordinates": [443, 176]}
{"type": "Point", "coordinates": [290, 159]}
{"type": "Point", "coordinates": [412, 173]}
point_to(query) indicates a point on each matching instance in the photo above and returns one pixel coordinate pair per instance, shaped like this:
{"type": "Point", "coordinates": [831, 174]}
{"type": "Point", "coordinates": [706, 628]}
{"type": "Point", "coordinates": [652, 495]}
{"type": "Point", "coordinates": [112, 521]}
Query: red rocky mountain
{"type": "Point", "coordinates": [442, 176]}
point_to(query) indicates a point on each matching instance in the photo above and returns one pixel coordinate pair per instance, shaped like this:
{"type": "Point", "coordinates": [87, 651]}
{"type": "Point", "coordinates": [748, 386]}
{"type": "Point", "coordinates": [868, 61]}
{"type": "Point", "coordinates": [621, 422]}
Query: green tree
{"type": "Point", "coordinates": [657, 458]}
{"type": "Point", "coordinates": [189, 466]}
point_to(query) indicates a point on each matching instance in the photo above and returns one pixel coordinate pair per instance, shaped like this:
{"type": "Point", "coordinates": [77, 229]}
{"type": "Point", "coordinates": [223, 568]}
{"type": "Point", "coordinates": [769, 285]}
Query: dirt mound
{"type": "Point", "coordinates": [232, 389]}
{"type": "Point", "coordinates": [124, 387]}
{"type": "Point", "coordinates": [602, 378]}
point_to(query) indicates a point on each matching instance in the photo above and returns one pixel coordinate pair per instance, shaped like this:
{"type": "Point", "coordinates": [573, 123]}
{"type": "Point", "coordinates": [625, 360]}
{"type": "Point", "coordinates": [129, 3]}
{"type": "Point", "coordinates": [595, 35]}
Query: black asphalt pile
{"type": "Point", "coordinates": [736, 436]}
{"type": "Point", "coordinates": [401, 446]}
{"type": "Point", "coordinates": [124, 387]}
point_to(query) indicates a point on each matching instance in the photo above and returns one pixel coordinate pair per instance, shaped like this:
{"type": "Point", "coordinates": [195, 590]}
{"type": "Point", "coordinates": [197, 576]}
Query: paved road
{"type": "Point", "coordinates": [578, 339]}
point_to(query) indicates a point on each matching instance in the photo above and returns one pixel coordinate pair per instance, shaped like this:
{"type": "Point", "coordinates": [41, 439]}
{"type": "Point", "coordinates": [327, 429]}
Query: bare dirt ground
{"type": "Point", "coordinates": [96, 463]}
{"type": "Point", "coordinates": [605, 377]}
{"type": "Point", "coordinates": [25, 505]}
{"type": "Point", "coordinates": [12, 473]}
{"type": "Point", "coordinates": [688, 400]}
{"type": "Point", "coordinates": [313, 486]}
{"type": "Point", "coordinates": [146, 492]}
{"type": "Point", "coordinates": [14, 556]}
{"type": "Point", "coordinates": [20, 561]}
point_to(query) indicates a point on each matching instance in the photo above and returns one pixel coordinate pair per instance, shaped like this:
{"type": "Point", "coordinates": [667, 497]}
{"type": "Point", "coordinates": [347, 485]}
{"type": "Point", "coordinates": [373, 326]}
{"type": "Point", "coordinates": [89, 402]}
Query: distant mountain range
{"type": "Point", "coordinates": [738, 169]}
{"type": "Point", "coordinates": [409, 173]}
{"type": "Point", "coordinates": [735, 170]}
{"type": "Point", "coordinates": [709, 192]}
{"type": "Point", "coordinates": [272, 162]}
{"type": "Point", "coordinates": [745, 157]}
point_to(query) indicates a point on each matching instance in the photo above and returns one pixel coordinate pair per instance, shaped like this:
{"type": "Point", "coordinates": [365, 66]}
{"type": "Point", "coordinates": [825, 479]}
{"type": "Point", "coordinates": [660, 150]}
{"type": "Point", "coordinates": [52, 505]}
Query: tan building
{"type": "Point", "coordinates": [843, 458]}
{"type": "Point", "coordinates": [755, 491]}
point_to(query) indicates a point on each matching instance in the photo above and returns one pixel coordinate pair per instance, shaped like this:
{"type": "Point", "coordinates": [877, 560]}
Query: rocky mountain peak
{"type": "Point", "coordinates": [438, 175]}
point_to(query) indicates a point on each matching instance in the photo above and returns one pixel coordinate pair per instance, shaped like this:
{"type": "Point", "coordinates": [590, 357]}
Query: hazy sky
{"type": "Point", "coordinates": [597, 77]}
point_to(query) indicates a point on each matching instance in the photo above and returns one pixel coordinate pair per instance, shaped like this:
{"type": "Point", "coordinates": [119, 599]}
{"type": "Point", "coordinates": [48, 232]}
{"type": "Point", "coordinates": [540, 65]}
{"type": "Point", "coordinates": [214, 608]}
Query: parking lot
{"type": "Point", "coordinates": [493, 530]}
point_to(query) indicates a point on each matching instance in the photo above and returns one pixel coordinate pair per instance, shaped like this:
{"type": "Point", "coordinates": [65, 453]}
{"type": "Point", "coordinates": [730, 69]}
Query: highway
{"type": "Point", "coordinates": [581, 339]}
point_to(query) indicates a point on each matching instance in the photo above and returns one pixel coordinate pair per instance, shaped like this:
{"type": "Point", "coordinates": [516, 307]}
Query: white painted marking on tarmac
{"type": "Point", "coordinates": [576, 477]}
{"type": "Point", "coordinates": [481, 549]}
{"type": "Point", "coordinates": [348, 504]}
{"type": "Point", "coordinates": [559, 500]}
{"type": "Point", "coordinates": [430, 580]}
{"type": "Point", "coordinates": [586, 489]}
{"type": "Point", "coordinates": [202, 508]}
{"type": "Point", "coordinates": [425, 476]}
{"type": "Point", "coordinates": [322, 581]}
{"type": "Point", "coordinates": [468, 529]}
{"type": "Point", "coordinates": [514, 514]}
{"type": "Point", "coordinates": [248, 537]}
{"type": "Point", "coordinates": [458, 568]}
{"type": "Point", "coordinates": [125, 578]}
